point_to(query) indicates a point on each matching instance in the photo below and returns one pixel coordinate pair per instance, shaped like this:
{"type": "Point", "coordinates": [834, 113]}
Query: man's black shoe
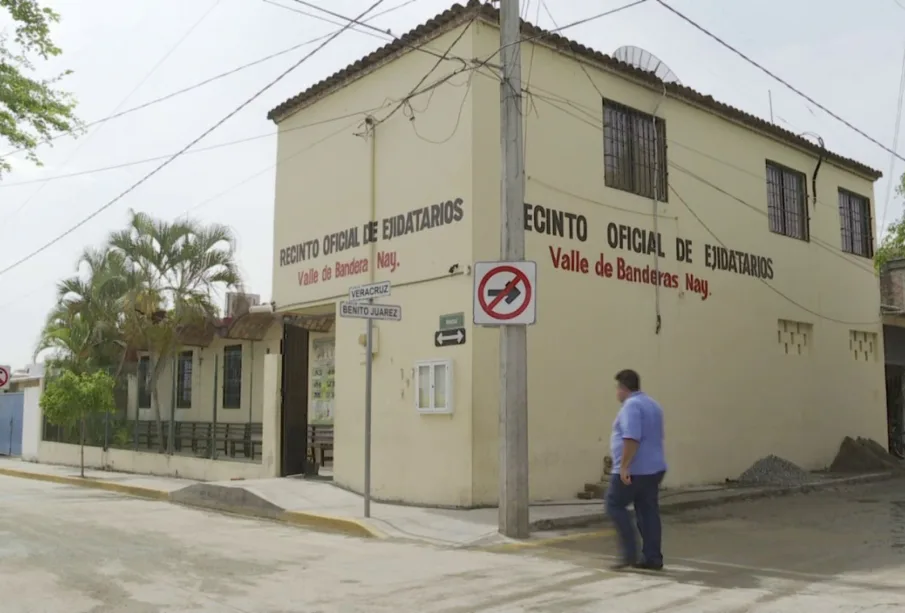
{"type": "Point", "coordinates": [648, 566]}
{"type": "Point", "coordinates": [621, 566]}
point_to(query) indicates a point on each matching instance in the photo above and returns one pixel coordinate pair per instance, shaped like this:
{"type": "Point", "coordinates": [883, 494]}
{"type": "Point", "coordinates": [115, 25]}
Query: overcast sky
{"type": "Point", "coordinates": [846, 55]}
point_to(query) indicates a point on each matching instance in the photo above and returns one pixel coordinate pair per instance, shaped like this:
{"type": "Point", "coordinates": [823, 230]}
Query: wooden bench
{"type": "Point", "coordinates": [145, 433]}
{"type": "Point", "coordinates": [247, 439]}
{"type": "Point", "coordinates": [320, 443]}
{"type": "Point", "coordinates": [254, 436]}
{"type": "Point", "coordinates": [196, 433]}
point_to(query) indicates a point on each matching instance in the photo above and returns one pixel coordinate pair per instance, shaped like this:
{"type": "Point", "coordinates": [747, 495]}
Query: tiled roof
{"type": "Point", "coordinates": [459, 14]}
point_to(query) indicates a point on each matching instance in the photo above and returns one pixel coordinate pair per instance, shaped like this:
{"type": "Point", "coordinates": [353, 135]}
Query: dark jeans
{"type": "Point", "coordinates": [644, 493]}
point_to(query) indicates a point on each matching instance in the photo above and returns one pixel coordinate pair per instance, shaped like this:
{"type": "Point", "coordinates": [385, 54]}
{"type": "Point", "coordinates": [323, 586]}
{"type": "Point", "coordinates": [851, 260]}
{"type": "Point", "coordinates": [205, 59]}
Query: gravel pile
{"type": "Point", "coordinates": [773, 470]}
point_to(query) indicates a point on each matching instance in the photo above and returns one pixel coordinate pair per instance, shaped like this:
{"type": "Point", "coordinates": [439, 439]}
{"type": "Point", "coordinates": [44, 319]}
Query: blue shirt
{"type": "Point", "coordinates": [639, 419]}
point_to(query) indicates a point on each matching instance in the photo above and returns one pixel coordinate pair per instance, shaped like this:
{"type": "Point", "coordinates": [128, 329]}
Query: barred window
{"type": "Point", "coordinates": [856, 224]}
{"type": "Point", "coordinates": [184, 380]}
{"type": "Point", "coordinates": [232, 377]}
{"type": "Point", "coordinates": [632, 150]}
{"type": "Point", "coordinates": [144, 382]}
{"type": "Point", "coordinates": [787, 201]}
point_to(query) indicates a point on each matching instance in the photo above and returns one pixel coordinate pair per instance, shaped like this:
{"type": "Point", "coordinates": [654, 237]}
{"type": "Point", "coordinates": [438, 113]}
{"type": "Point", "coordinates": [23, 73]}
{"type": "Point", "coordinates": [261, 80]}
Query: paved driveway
{"type": "Point", "coordinates": [76, 550]}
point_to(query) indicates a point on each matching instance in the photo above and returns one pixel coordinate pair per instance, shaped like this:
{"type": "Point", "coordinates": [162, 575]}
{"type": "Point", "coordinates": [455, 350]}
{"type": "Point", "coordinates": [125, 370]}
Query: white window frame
{"type": "Point", "coordinates": [432, 365]}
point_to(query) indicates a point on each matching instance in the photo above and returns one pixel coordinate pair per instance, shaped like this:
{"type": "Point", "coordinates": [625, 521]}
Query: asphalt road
{"type": "Point", "coordinates": [76, 550]}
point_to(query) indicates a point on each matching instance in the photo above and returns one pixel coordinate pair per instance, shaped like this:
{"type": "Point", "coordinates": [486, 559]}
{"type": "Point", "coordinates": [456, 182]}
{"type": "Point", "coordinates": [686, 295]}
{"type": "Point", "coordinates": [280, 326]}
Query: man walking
{"type": "Point", "coordinates": [639, 464]}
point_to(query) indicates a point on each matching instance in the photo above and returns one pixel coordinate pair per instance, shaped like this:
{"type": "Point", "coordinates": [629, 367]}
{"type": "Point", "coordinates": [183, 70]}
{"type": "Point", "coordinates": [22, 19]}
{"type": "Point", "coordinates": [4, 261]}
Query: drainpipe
{"type": "Point", "coordinates": [372, 134]}
{"type": "Point", "coordinates": [656, 211]}
{"type": "Point", "coordinates": [251, 384]}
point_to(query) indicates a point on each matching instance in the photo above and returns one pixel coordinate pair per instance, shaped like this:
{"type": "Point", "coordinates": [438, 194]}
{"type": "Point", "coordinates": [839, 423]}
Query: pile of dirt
{"type": "Point", "coordinates": [863, 455]}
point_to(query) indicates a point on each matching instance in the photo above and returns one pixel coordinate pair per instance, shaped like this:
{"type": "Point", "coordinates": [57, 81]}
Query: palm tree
{"type": "Point", "coordinates": [180, 266]}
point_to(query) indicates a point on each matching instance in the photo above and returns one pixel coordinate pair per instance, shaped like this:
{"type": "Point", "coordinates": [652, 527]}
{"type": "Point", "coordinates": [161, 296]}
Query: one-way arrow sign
{"type": "Point", "coordinates": [511, 296]}
{"type": "Point", "coordinates": [446, 338]}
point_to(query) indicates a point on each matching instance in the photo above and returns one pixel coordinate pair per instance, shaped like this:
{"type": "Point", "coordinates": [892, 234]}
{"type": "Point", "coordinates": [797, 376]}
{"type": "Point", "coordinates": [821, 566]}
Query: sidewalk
{"type": "Point", "coordinates": [323, 506]}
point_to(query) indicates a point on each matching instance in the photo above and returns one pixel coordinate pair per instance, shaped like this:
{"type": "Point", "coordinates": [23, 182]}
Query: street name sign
{"type": "Point", "coordinates": [364, 310]}
{"type": "Point", "coordinates": [381, 289]}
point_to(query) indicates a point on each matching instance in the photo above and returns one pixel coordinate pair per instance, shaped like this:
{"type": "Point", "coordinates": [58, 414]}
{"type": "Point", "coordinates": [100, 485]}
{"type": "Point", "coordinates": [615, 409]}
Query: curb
{"type": "Point", "coordinates": [129, 490]}
{"type": "Point", "coordinates": [667, 508]}
{"type": "Point", "coordinates": [312, 521]}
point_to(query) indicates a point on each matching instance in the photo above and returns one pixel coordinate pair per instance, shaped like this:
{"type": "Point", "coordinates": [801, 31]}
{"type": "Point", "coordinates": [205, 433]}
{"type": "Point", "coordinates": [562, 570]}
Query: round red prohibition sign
{"type": "Point", "coordinates": [513, 284]}
{"type": "Point", "coordinates": [4, 377]}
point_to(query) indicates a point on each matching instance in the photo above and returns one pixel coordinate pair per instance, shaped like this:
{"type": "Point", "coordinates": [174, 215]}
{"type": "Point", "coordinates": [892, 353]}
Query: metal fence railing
{"type": "Point", "coordinates": [213, 440]}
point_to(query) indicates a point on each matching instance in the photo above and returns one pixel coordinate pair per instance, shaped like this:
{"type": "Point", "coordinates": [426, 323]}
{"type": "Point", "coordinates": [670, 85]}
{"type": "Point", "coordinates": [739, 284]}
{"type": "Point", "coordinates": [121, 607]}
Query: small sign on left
{"type": "Point", "coordinates": [6, 373]}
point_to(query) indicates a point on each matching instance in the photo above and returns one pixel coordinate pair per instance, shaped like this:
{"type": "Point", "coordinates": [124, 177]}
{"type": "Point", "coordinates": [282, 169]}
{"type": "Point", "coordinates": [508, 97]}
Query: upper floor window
{"type": "Point", "coordinates": [787, 201]}
{"type": "Point", "coordinates": [184, 380]}
{"type": "Point", "coordinates": [634, 152]}
{"type": "Point", "coordinates": [144, 382]}
{"type": "Point", "coordinates": [232, 377]}
{"type": "Point", "coordinates": [855, 222]}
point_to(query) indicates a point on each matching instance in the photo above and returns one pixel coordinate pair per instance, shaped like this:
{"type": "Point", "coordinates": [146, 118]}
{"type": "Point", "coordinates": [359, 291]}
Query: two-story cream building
{"type": "Point", "coordinates": [724, 258]}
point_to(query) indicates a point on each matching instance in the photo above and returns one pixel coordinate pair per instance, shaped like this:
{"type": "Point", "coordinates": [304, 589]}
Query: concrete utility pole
{"type": "Point", "coordinates": [513, 339]}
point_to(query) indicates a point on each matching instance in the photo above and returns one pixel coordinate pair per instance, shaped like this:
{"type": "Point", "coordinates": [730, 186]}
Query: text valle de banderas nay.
{"type": "Point", "coordinates": [623, 237]}
{"type": "Point", "coordinates": [388, 228]}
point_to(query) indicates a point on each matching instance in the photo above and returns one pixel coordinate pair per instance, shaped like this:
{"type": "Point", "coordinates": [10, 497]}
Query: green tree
{"type": "Point", "coordinates": [84, 330]}
{"type": "Point", "coordinates": [70, 399]}
{"type": "Point", "coordinates": [32, 110]}
{"type": "Point", "coordinates": [893, 244]}
{"type": "Point", "coordinates": [181, 265]}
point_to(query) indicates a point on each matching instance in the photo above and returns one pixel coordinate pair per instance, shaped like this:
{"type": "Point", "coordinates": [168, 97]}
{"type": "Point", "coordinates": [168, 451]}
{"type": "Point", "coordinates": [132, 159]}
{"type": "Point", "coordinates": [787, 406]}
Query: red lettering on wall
{"type": "Point", "coordinates": [308, 277]}
{"type": "Point", "coordinates": [388, 259]}
{"type": "Point", "coordinates": [350, 268]}
{"type": "Point", "coordinates": [573, 261]}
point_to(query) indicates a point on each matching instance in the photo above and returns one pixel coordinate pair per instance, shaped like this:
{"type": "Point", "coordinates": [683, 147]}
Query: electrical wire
{"type": "Point", "coordinates": [420, 48]}
{"type": "Point", "coordinates": [816, 240]}
{"type": "Point", "coordinates": [355, 28]}
{"type": "Point", "coordinates": [270, 167]}
{"type": "Point", "coordinates": [445, 56]}
{"type": "Point", "coordinates": [209, 80]}
{"type": "Point", "coordinates": [779, 79]}
{"type": "Point", "coordinates": [545, 33]}
{"type": "Point", "coordinates": [9, 219]}
{"type": "Point", "coordinates": [432, 88]}
{"type": "Point", "coordinates": [764, 281]}
{"type": "Point", "coordinates": [458, 118]}
{"type": "Point", "coordinates": [222, 145]}
{"type": "Point", "coordinates": [895, 145]}
{"type": "Point", "coordinates": [166, 163]}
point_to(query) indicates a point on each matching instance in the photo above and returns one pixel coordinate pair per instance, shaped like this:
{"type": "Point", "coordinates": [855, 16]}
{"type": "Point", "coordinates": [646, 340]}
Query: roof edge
{"type": "Point", "coordinates": [458, 14]}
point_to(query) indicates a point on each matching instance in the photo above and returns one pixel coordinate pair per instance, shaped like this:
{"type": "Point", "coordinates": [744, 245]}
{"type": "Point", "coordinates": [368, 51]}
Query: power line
{"type": "Point", "coordinates": [257, 174]}
{"type": "Point", "coordinates": [592, 119]}
{"type": "Point", "coordinates": [428, 89]}
{"type": "Point", "coordinates": [358, 22]}
{"type": "Point", "coordinates": [895, 145]}
{"type": "Point", "coordinates": [166, 163]}
{"type": "Point", "coordinates": [764, 281]}
{"type": "Point", "coordinates": [212, 79]}
{"type": "Point", "coordinates": [356, 28]}
{"type": "Point", "coordinates": [144, 80]}
{"type": "Point", "coordinates": [222, 145]}
{"type": "Point", "coordinates": [779, 79]}
{"type": "Point", "coordinates": [436, 65]}
{"type": "Point", "coordinates": [815, 240]}
{"type": "Point", "coordinates": [544, 33]}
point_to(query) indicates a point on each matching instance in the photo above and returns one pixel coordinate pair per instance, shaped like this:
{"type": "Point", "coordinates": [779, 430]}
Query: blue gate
{"type": "Point", "coordinates": [11, 406]}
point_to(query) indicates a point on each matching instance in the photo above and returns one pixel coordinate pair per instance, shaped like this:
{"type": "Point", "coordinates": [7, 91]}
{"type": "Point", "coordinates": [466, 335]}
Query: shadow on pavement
{"type": "Point", "coordinates": [849, 539]}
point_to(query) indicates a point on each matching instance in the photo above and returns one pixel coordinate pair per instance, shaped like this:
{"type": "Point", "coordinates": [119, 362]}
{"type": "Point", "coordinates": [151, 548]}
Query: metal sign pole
{"type": "Point", "coordinates": [368, 359]}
